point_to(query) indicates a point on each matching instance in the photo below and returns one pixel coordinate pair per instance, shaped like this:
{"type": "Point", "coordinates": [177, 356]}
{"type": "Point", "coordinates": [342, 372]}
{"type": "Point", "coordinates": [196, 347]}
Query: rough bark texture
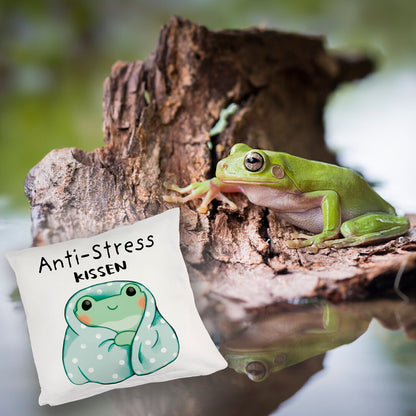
{"type": "Point", "coordinates": [157, 118]}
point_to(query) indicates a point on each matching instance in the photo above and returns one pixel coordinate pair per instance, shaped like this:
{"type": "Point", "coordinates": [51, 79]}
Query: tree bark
{"type": "Point", "coordinates": [157, 118]}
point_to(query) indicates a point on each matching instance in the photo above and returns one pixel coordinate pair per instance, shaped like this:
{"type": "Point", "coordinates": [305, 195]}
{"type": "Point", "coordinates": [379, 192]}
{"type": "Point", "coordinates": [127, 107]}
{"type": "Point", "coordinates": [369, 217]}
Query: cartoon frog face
{"type": "Point", "coordinates": [122, 312]}
{"type": "Point", "coordinates": [115, 331]}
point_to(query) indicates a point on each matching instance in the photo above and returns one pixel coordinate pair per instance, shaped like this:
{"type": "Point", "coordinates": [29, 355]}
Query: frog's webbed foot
{"type": "Point", "coordinates": [302, 236]}
{"type": "Point", "coordinates": [314, 243]}
{"type": "Point", "coordinates": [195, 190]}
{"type": "Point", "coordinates": [370, 228]}
{"type": "Point", "coordinates": [207, 190]}
{"type": "Point", "coordinates": [176, 188]}
{"type": "Point", "coordinates": [221, 197]}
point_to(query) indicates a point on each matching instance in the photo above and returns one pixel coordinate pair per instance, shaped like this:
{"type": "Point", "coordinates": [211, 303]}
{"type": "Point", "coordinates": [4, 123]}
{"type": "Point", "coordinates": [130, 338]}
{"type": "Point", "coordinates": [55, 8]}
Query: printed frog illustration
{"type": "Point", "coordinates": [122, 312]}
{"type": "Point", "coordinates": [115, 331]}
{"type": "Point", "coordinates": [325, 199]}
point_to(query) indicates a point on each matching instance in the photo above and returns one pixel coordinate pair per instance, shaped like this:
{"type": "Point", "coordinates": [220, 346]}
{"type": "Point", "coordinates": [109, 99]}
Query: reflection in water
{"type": "Point", "coordinates": [222, 394]}
{"type": "Point", "coordinates": [284, 339]}
{"type": "Point", "coordinates": [281, 350]}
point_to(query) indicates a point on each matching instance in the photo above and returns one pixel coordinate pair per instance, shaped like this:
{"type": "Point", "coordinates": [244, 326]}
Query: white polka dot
{"type": "Point", "coordinates": [152, 360]}
{"type": "Point", "coordinates": [71, 305]}
{"type": "Point", "coordinates": [115, 375]}
{"type": "Point", "coordinates": [67, 338]}
{"type": "Point", "coordinates": [173, 336]}
{"type": "Point", "coordinates": [99, 291]}
{"type": "Point", "coordinates": [148, 326]}
{"type": "Point", "coordinates": [70, 375]}
{"type": "Point", "coordinates": [83, 346]}
{"type": "Point", "coordinates": [174, 354]}
{"type": "Point", "coordinates": [75, 360]}
{"type": "Point", "coordinates": [122, 362]}
{"type": "Point", "coordinates": [147, 313]}
{"type": "Point", "coordinates": [98, 336]}
{"type": "Point", "coordinates": [90, 370]}
{"type": "Point", "coordinates": [83, 326]}
{"type": "Point", "coordinates": [148, 342]}
{"type": "Point", "coordinates": [163, 350]}
{"type": "Point", "coordinates": [109, 284]}
{"type": "Point", "coordinates": [136, 338]}
{"type": "Point", "coordinates": [88, 289]}
{"type": "Point", "coordinates": [99, 357]}
{"type": "Point", "coordinates": [162, 321]}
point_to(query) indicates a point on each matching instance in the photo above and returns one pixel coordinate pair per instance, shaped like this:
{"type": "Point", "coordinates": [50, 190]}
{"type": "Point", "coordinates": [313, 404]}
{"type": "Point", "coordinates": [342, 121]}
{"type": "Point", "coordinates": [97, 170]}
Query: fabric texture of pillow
{"type": "Point", "coordinates": [112, 311]}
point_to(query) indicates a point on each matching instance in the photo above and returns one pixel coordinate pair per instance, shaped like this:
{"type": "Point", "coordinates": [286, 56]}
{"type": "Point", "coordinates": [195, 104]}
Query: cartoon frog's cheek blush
{"type": "Point", "coordinates": [114, 332]}
{"type": "Point", "coordinates": [142, 302]}
{"type": "Point", "coordinates": [85, 319]}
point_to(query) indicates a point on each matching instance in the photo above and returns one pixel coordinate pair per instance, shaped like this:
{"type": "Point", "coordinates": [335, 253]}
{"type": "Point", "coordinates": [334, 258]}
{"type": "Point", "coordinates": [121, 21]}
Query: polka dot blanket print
{"type": "Point", "coordinates": [118, 324]}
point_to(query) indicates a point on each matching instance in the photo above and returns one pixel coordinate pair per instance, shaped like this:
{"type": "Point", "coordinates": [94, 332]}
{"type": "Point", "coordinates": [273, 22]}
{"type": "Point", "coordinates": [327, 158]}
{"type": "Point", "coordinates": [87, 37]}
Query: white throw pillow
{"type": "Point", "coordinates": [112, 311]}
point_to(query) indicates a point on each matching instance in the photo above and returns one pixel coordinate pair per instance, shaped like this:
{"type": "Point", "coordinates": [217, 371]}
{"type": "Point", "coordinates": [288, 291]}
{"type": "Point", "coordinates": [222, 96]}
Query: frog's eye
{"type": "Point", "coordinates": [256, 370]}
{"type": "Point", "coordinates": [130, 291]}
{"type": "Point", "coordinates": [86, 305]}
{"type": "Point", "coordinates": [253, 161]}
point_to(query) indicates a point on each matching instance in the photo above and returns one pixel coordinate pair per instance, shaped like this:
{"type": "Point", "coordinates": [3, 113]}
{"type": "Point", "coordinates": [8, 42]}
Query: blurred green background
{"type": "Point", "coordinates": [55, 55]}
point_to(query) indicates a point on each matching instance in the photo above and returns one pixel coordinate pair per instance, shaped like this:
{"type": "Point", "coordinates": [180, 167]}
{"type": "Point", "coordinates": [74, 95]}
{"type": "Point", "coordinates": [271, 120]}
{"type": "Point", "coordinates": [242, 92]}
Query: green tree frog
{"type": "Point", "coordinates": [324, 199]}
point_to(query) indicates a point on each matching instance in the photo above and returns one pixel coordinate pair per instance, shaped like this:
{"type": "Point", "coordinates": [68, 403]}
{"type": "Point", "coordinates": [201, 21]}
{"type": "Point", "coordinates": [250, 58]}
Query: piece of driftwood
{"type": "Point", "coordinates": [157, 118]}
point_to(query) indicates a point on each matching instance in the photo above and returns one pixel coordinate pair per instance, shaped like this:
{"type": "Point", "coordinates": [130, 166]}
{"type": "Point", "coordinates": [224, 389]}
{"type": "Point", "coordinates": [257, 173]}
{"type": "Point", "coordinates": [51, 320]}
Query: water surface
{"type": "Point", "coordinates": [347, 359]}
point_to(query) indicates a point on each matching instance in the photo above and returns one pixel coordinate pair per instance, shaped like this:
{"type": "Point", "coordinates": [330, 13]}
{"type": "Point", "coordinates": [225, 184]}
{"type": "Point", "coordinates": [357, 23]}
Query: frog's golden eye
{"type": "Point", "coordinates": [256, 370]}
{"type": "Point", "coordinates": [253, 161]}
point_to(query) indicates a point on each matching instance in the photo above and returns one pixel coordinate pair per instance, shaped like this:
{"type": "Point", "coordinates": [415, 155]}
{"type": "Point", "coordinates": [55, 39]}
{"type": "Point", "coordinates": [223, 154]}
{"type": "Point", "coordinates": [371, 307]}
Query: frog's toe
{"type": "Point", "coordinates": [309, 244]}
{"type": "Point", "coordinates": [171, 186]}
{"type": "Point", "coordinates": [169, 198]}
{"type": "Point", "coordinates": [297, 235]}
{"type": "Point", "coordinates": [221, 197]}
{"type": "Point", "coordinates": [341, 242]}
{"type": "Point", "coordinates": [314, 243]}
{"type": "Point", "coordinates": [298, 243]}
{"type": "Point", "coordinates": [173, 198]}
{"type": "Point", "coordinates": [313, 249]}
{"type": "Point", "coordinates": [292, 243]}
{"type": "Point", "coordinates": [202, 209]}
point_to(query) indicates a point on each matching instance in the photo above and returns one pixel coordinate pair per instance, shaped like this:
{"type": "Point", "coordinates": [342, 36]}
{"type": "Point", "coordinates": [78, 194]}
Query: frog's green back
{"type": "Point", "coordinates": [356, 195]}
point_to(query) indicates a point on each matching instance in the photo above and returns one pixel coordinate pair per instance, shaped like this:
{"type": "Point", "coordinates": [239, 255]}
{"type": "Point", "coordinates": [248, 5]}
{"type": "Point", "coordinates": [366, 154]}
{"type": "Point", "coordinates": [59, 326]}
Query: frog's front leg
{"type": "Point", "coordinates": [331, 212]}
{"type": "Point", "coordinates": [207, 190]}
{"type": "Point", "coordinates": [369, 228]}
